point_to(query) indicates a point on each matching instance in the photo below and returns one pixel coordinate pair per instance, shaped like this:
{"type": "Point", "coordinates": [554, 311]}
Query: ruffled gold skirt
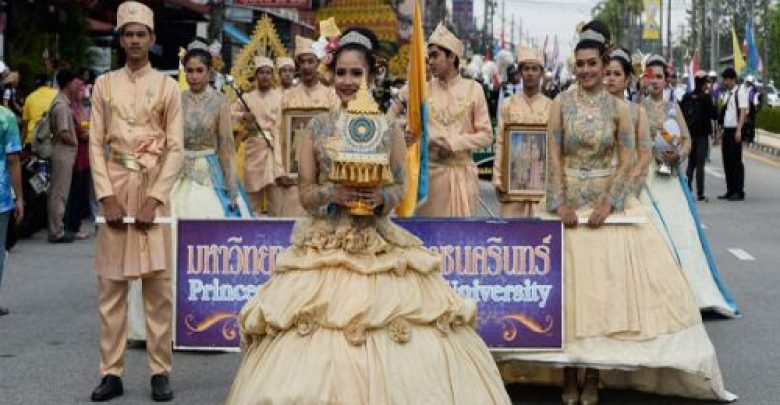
{"type": "Point", "coordinates": [630, 312]}
{"type": "Point", "coordinates": [360, 315]}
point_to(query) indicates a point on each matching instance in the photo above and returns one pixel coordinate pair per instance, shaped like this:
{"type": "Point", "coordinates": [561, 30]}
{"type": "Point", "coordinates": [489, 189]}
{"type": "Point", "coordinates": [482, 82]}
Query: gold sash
{"type": "Point", "coordinates": [126, 160]}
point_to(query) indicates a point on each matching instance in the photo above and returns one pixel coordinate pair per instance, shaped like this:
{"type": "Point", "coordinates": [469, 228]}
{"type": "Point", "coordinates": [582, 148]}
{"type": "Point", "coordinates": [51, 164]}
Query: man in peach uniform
{"type": "Point", "coordinates": [309, 93]}
{"type": "Point", "coordinates": [265, 105]}
{"type": "Point", "coordinates": [136, 156]}
{"type": "Point", "coordinates": [528, 107]}
{"type": "Point", "coordinates": [458, 125]}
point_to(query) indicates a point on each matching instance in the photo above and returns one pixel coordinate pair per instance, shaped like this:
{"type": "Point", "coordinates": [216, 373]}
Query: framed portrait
{"type": "Point", "coordinates": [294, 123]}
{"type": "Point", "coordinates": [524, 172]}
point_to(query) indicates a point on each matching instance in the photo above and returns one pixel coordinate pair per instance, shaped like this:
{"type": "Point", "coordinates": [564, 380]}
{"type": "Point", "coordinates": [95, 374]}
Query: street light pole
{"type": "Point", "coordinates": [713, 35]}
{"type": "Point", "coordinates": [217, 19]}
{"type": "Point", "coordinates": [765, 37]}
{"type": "Point", "coordinates": [669, 30]}
{"type": "Point", "coordinates": [485, 27]}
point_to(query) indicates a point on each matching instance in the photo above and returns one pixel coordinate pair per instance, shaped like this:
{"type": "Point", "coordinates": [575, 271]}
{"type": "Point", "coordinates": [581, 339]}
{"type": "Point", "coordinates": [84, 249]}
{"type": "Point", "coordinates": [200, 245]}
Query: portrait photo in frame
{"type": "Point", "coordinates": [294, 123]}
{"type": "Point", "coordinates": [524, 172]}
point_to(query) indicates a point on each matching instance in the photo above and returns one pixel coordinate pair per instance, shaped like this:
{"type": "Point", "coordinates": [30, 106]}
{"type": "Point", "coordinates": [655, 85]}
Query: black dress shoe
{"type": "Point", "coordinates": [702, 198]}
{"type": "Point", "coordinates": [66, 238]}
{"type": "Point", "coordinates": [736, 197]}
{"type": "Point", "coordinates": [110, 387]}
{"type": "Point", "coordinates": [4, 311]}
{"type": "Point", "coordinates": [161, 388]}
{"type": "Point", "coordinates": [725, 196]}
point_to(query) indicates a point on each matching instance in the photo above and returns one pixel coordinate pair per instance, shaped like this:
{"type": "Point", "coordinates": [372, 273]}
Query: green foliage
{"type": "Point", "coordinates": [608, 12]}
{"type": "Point", "coordinates": [773, 40]}
{"type": "Point", "coordinates": [769, 119]}
{"type": "Point", "coordinates": [623, 18]}
{"type": "Point", "coordinates": [45, 26]}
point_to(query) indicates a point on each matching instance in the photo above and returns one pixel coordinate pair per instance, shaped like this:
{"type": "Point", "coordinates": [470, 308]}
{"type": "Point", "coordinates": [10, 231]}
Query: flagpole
{"type": "Point", "coordinates": [765, 36]}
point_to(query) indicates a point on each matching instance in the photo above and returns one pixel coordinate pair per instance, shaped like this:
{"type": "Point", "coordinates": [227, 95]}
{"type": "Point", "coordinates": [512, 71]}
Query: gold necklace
{"type": "Point", "coordinates": [590, 101]}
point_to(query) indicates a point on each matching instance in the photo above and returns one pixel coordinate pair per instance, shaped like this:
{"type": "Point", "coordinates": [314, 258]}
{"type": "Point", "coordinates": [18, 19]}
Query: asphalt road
{"type": "Point", "coordinates": [48, 344]}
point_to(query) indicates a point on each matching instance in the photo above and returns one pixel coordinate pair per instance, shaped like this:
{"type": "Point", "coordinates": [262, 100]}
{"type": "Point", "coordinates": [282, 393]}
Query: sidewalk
{"type": "Point", "coordinates": [767, 143]}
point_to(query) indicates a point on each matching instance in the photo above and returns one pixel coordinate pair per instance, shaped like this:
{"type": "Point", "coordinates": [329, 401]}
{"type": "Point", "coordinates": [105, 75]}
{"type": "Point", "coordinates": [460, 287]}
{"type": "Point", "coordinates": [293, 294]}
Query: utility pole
{"type": "Point", "coordinates": [716, 31]}
{"type": "Point", "coordinates": [512, 30]}
{"type": "Point", "coordinates": [694, 27]}
{"type": "Point", "coordinates": [713, 35]}
{"type": "Point", "coordinates": [484, 25]}
{"type": "Point", "coordinates": [492, 24]}
{"type": "Point", "coordinates": [668, 29]}
{"type": "Point", "coordinates": [623, 21]}
{"type": "Point", "coordinates": [520, 32]}
{"type": "Point", "coordinates": [765, 37]}
{"type": "Point", "coordinates": [750, 14]}
{"type": "Point", "coordinates": [661, 29]}
{"type": "Point", "coordinates": [702, 29]}
{"type": "Point", "coordinates": [216, 19]}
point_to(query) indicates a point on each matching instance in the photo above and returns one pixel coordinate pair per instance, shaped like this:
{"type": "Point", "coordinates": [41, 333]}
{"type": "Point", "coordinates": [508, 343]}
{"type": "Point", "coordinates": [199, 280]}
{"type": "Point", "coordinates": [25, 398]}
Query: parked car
{"type": "Point", "coordinates": [772, 98]}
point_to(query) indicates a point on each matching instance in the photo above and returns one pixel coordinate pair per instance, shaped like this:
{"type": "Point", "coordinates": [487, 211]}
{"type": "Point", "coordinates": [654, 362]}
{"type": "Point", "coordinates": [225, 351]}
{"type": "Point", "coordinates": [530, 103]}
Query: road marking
{"type": "Point", "coordinates": [741, 254]}
{"type": "Point", "coordinates": [714, 173]}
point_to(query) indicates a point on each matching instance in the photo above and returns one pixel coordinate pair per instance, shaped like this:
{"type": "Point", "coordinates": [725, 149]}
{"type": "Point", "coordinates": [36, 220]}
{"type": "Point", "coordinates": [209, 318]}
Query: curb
{"type": "Point", "coordinates": [770, 151]}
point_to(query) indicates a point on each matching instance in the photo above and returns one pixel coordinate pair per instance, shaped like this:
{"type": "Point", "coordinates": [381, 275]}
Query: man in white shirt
{"type": "Point", "coordinates": [670, 92]}
{"type": "Point", "coordinates": [732, 119]}
{"type": "Point", "coordinates": [512, 84]}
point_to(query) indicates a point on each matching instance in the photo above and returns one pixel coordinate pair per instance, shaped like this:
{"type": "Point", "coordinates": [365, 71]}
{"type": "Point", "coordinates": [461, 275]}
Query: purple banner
{"type": "Point", "coordinates": [513, 269]}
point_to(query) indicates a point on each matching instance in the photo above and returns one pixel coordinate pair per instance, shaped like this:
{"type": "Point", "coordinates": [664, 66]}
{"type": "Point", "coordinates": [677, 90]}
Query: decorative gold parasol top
{"type": "Point", "coordinates": [329, 29]}
{"type": "Point", "coordinates": [363, 103]}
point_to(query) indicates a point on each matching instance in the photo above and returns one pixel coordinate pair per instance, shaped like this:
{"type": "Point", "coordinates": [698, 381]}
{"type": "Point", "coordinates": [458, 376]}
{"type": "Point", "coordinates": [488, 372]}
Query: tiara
{"type": "Point", "coordinates": [354, 37]}
{"type": "Point", "coordinates": [656, 59]}
{"type": "Point", "coordinates": [197, 45]}
{"type": "Point", "coordinates": [621, 54]}
{"type": "Point", "coordinates": [590, 35]}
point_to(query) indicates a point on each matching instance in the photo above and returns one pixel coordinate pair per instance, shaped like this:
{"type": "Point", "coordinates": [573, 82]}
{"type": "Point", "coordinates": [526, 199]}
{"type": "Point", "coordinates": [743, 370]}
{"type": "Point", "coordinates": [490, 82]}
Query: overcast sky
{"type": "Point", "coordinates": [551, 17]}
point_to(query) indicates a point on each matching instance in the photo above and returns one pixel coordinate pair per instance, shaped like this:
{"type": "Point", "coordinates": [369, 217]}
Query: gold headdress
{"type": "Point", "coordinates": [528, 55]}
{"type": "Point", "coordinates": [283, 61]}
{"type": "Point", "coordinates": [134, 12]}
{"type": "Point", "coordinates": [329, 29]}
{"type": "Point", "coordinates": [262, 61]}
{"type": "Point", "coordinates": [442, 37]}
{"type": "Point", "coordinates": [303, 46]}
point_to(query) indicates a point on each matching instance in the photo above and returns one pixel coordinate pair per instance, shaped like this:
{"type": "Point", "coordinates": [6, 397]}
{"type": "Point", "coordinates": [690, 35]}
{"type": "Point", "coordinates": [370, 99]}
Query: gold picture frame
{"type": "Point", "coordinates": [524, 168]}
{"type": "Point", "coordinates": [294, 122]}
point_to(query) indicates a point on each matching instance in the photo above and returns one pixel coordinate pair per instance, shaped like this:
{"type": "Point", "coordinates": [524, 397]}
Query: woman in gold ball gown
{"type": "Point", "coordinates": [356, 311]}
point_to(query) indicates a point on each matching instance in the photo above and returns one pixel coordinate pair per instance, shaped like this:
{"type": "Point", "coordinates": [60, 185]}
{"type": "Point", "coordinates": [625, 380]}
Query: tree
{"type": "Point", "coordinates": [773, 42]}
{"type": "Point", "coordinates": [45, 33]}
{"type": "Point", "coordinates": [624, 20]}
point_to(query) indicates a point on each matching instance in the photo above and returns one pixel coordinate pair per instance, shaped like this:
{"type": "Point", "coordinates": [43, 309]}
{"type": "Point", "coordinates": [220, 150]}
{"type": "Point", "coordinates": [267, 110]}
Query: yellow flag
{"type": "Point", "coordinates": [739, 61]}
{"type": "Point", "coordinates": [650, 28]}
{"type": "Point", "coordinates": [417, 153]}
